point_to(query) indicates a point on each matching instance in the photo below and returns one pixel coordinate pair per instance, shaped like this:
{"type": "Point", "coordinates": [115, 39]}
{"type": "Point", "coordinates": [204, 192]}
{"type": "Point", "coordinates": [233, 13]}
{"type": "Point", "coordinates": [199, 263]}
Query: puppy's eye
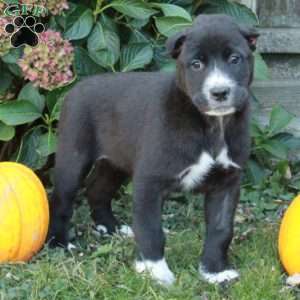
{"type": "Point", "coordinates": [234, 59]}
{"type": "Point", "coordinates": [197, 65]}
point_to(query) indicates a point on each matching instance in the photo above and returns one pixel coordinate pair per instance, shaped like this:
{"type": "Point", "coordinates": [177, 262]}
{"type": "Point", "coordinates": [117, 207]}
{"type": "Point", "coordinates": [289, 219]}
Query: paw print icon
{"type": "Point", "coordinates": [24, 31]}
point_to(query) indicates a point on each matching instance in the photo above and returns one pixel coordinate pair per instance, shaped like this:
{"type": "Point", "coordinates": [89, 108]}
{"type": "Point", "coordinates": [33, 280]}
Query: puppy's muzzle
{"type": "Point", "coordinates": [220, 94]}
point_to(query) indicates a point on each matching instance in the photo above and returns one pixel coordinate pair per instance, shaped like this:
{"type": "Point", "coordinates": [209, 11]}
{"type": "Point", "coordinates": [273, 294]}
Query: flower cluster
{"type": "Point", "coordinates": [2, 7]}
{"type": "Point", "coordinates": [5, 44]}
{"type": "Point", "coordinates": [49, 64]}
{"type": "Point", "coordinates": [55, 7]}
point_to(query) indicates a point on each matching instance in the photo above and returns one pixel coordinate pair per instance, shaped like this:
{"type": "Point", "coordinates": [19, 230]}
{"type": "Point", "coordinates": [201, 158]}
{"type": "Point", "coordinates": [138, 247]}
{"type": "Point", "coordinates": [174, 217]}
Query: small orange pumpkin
{"type": "Point", "coordinates": [24, 213]}
{"type": "Point", "coordinates": [289, 238]}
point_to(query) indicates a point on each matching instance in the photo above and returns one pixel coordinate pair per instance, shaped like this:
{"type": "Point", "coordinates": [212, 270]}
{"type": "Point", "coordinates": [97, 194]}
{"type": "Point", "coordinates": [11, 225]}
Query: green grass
{"type": "Point", "coordinates": [101, 268]}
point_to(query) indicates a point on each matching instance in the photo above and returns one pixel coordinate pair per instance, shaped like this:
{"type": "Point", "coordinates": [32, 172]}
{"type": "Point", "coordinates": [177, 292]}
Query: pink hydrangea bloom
{"type": "Point", "coordinates": [49, 64]}
{"type": "Point", "coordinates": [55, 7]}
{"type": "Point", "coordinates": [5, 44]}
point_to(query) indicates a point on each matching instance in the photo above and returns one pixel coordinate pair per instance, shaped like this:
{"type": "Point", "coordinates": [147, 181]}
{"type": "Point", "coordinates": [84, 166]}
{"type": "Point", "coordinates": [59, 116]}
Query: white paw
{"type": "Point", "coordinates": [158, 270]}
{"type": "Point", "coordinates": [71, 246]}
{"type": "Point", "coordinates": [166, 230]}
{"type": "Point", "coordinates": [102, 229]}
{"type": "Point", "coordinates": [126, 231]}
{"type": "Point", "coordinates": [220, 277]}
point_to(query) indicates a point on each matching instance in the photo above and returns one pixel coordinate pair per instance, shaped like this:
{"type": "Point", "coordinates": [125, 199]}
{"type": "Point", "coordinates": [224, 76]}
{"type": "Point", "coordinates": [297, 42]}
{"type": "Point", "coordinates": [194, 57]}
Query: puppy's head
{"type": "Point", "coordinates": [215, 63]}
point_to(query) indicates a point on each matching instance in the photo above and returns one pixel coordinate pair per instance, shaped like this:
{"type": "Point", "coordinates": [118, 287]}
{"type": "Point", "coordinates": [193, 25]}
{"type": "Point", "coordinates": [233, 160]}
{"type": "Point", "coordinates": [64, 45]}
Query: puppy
{"type": "Point", "coordinates": [183, 131]}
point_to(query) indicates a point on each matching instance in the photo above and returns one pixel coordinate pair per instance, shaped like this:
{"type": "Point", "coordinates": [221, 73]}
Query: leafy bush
{"type": "Point", "coordinates": [106, 36]}
{"type": "Point", "coordinates": [272, 175]}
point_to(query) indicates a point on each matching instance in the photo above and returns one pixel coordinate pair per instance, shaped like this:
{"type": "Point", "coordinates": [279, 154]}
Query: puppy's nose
{"type": "Point", "coordinates": [220, 93]}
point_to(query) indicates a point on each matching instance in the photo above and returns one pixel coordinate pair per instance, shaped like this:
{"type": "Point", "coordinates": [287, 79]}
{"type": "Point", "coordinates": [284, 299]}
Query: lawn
{"type": "Point", "coordinates": [101, 267]}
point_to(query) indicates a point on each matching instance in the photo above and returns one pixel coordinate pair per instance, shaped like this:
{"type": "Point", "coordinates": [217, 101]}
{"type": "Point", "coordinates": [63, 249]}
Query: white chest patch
{"type": "Point", "coordinates": [225, 161]}
{"type": "Point", "coordinates": [196, 173]}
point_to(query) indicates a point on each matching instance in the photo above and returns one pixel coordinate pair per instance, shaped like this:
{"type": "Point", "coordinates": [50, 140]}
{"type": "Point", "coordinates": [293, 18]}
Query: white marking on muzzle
{"type": "Point", "coordinates": [218, 79]}
{"type": "Point", "coordinates": [215, 79]}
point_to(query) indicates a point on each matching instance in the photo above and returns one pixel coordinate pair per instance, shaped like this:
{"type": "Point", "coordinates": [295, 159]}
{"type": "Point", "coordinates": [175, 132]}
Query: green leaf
{"type": "Point", "coordinates": [171, 10]}
{"type": "Point", "coordinates": [6, 132]}
{"type": "Point", "coordinates": [138, 23]}
{"type": "Point", "coordinates": [5, 81]}
{"type": "Point", "coordinates": [279, 119]}
{"type": "Point", "coordinates": [282, 167]}
{"type": "Point", "coordinates": [16, 70]}
{"type": "Point", "coordinates": [138, 37]}
{"type": "Point", "coordinates": [255, 129]}
{"type": "Point", "coordinates": [255, 172]}
{"type": "Point", "coordinates": [135, 56]}
{"type": "Point", "coordinates": [28, 153]}
{"type": "Point", "coordinates": [137, 9]}
{"type": "Point", "coordinates": [32, 95]}
{"type": "Point", "coordinates": [162, 60]}
{"type": "Point", "coordinates": [18, 112]}
{"type": "Point", "coordinates": [240, 12]}
{"type": "Point", "coordinates": [108, 23]}
{"type": "Point", "coordinates": [79, 23]}
{"type": "Point", "coordinates": [293, 143]}
{"type": "Point", "coordinates": [104, 46]}
{"type": "Point", "coordinates": [168, 26]}
{"type": "Point", "coordinates": [55, 114]}
{"type": "Point", "coordinates": [102, 250]}
{"type": "Point", "coordinates": [168, 66]}
{"type": "Point", "coordinates": [47, 144]}
{"type": "Point", "coordinates": [55, 100]}
{"type": "Point", "coordinates": [83, 64]}
{"type": "Point", "coordinates": [276, 148]}
{"type": "Point", "coordinates": [97, 39]}
{"type": "Point", "coordinates": [271, 206]}
{"type": "Point", "coordinates": [13, 55]}
{"type": "Point", "coordinates": [261, 70]}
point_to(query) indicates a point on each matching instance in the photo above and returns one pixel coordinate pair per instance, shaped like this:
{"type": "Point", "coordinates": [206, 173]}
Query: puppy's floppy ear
{"type": "Point", "coordinates": [175, 42]}
{"type": "Point", "coordinates": [251, 35]}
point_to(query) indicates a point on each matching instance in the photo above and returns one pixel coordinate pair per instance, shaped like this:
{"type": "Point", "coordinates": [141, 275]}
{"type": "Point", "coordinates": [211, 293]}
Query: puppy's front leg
{"type": "Point", "coordinates": [147, 227]}
{"type": "Point", "coordinates": [220, 207]}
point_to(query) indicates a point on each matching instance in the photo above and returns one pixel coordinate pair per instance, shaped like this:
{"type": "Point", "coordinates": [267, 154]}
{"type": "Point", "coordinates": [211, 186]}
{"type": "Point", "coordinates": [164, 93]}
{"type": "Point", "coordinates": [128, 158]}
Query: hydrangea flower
{"type": "Point", "coordinates": [5, 44]}
{"type": "Point", "coordinates": [49, 64]}
{"type": "Point", "coordinates": [55, 7]}
{"type": "Point", "coordinates": [2, 7]}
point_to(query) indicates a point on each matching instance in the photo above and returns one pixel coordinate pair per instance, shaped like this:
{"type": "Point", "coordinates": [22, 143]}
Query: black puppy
{"type": "Point", "coordinates": [168, 132]}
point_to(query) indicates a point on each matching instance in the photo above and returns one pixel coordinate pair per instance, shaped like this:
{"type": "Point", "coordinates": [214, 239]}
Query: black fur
{"type": "Point", "coordinates": [151, 127]}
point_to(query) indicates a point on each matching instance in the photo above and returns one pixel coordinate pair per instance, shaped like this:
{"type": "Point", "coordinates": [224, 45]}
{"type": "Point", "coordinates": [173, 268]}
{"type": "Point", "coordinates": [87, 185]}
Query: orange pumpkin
{"type": "Point", "coordinates": [24, 213]}
{"type": "Point", "coordinates": [289, 238]}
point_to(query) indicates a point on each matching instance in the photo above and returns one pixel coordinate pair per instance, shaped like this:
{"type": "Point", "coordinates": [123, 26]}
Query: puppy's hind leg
{"type": "Point", "coordinates": [69, 172]}
{"type": "Point", "coordinates": [74, 158]}
{"type": "Point", "coordinates": [102, 187]}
